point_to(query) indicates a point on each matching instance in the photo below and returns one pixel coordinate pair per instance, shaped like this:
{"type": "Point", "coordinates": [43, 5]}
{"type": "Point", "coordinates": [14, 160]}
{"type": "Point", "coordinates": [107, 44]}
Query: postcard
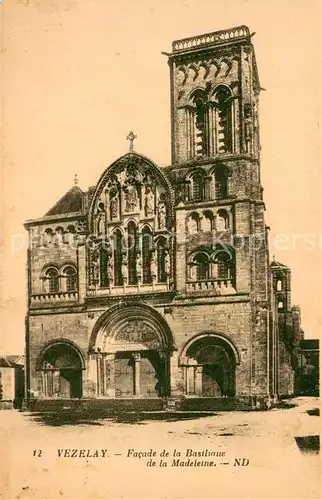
{"type": "Point", "coordinates": [161, 254]}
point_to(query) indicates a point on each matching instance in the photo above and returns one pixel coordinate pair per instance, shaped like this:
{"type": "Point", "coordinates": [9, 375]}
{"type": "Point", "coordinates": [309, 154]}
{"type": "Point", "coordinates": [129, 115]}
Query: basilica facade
{"type": "Point", "coordinates": [154, 287]}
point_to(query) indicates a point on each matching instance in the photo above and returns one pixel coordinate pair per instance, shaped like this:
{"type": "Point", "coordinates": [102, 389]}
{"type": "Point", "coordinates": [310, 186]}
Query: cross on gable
{"type": "Point", "coordinates": [131, 137]}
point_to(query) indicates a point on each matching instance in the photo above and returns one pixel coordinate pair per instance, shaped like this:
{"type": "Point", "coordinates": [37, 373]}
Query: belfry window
{"type": "Point", "coordinates": [221, 185]}
{"type": "Point", "coordinates": [71, 279]}
{"type": "Point", "coordinates": [196, 124]}
{"type": "Point", "coordinates": [53, 280]}
{"type": "Point", "coordinates": [224, 265]}
{"type": "Point", "coordinates": [221, 118]}
{"type": "Point", "coordinates": [202, 266]}
{"type": "Point", "coordinates": [197, 187]}
{"type": "Point", "coordinates": [200, 126]}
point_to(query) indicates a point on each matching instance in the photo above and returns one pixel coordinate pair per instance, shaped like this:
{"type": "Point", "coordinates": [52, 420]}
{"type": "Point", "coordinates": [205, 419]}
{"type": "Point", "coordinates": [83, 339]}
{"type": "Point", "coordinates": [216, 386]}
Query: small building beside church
{"type": "Point", "coordinates": [11, 381]}
{"type": "Point", "coordinates": [155, 285]}
{"type": "Point", "coordinates": [308, 370]}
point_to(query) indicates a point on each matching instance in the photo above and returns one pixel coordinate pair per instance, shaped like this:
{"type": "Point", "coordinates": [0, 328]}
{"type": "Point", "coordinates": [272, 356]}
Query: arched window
{"type": "Point", "coordinates": [280, 303]}
{"type": "Point", "coordinates": [196, 124]}
{"type": "Point", "coordinates": [53, 280]}
{"type": "Point", "coordinates": [224, 263]}
{"type": "Point", "coordinates": [131, 249]}
{"type": "Point", "coordinates": [221, 187]}
{"type": "Point", "coordinates": [161, 253]}
{"type": "Point", "coordinates": [48, 237]}
{"type": "Point", "coordinates": [198, 187]}
{"type": "Point", "coordinates": [222, 220]}
{"type": "Point", "coordinates": [200, 123]}
{"type": "Point", "coordinates": [279, 285]}
{"type": "Point", "coordinates": [193, 223]}
{"type": "Point", "coordinates": [201, 261]}
{"type": "Point", "coordinates": [208, 221]}
{"type": "Point", "coordinates": [71, 279]}
{"type": "Point", "coordinates": [59, 236]}
{"type": "Point", "coordinates": [118, 248]}
{"type": "Point", "coordinates": [222, 119]}
{"type": "Point", "coordinates": [147, 246]}
{"type": "Point", "coordinates": [104, 282]}
{"type": "Point", "coordinates": [69, 235]}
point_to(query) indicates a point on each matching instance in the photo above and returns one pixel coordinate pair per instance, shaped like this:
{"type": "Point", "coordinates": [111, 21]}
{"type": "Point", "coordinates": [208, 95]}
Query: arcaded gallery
{"type": "Point", "coordinates": [147, 290]}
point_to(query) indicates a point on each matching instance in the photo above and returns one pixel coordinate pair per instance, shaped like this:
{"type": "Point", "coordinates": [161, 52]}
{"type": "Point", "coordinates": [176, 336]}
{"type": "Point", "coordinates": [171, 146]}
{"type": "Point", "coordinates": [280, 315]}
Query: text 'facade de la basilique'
{"type": "Point", "coordinates": [154, 288]}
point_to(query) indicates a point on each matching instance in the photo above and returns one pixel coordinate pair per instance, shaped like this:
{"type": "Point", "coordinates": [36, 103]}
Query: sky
{"type": "Point", "coordinates": [77, 76]}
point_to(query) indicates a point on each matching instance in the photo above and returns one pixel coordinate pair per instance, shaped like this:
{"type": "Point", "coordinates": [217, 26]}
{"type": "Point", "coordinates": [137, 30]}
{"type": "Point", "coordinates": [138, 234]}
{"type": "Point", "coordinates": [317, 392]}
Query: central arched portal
{"type": "Point", "coordinates": [131, 347]}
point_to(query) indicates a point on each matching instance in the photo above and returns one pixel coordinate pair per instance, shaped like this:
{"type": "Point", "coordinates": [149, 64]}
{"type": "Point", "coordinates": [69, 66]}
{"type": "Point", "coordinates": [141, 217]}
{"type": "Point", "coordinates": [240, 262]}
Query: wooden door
{"type": "Point", "coordinates": [212, 381]}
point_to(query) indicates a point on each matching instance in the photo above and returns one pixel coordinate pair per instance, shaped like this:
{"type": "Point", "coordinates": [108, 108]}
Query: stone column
{"type": "Point", "coordinates": [81, 257]}
{"type": "Point", "coordinates": [44, 383]}
{"type": "Point", "coordinates": [198, 380]}
{"type": "Point", "coordinates": [104, 370]}
{"type": "Point", "coordinates": [99, 374]}
{"type": "Point", "coordinates": [176, 380]}
{"type": "Point", "coordinates": [164, 357]}
{"type": "Point", "coordinates": [137, 359]}
{"type": "Point", "coordinates": [190, 380]}
{"type": "Point", "coordinates": [56, 387]}
{"type": "Point", "coordinates": [110, 375]}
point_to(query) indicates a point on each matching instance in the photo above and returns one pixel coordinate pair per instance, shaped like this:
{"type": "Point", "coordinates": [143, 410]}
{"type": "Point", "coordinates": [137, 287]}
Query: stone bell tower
{"type": "Point", "coordinates": [214, 91]}
{"type": "Point", "coordinates": [219, 206]}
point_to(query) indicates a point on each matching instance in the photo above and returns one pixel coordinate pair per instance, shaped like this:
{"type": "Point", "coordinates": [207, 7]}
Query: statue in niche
{"type": "Point", "coordinates": [162, 213]}
{"type": "Point", "coordinates": [124, 269]}
{"type": "Point", "coordinates": [114, 204]}
{"type": "Point", "coordinates": [113, 192]}
{"type": "Point", "coordinates": [149, 202]}
{"type": "Point", "coordinates": [121, 177]}
{"type": "Point", "coordinates": [101, 219]}
{"type": "Point", "coordinates": [153, 266]}
{"type": "Point", "coordinates": [167, 264]}
{"type": "Point", "coordinates": [95, 267]}
{"type": "Point", "coordinates": [131, 198]}
{"type": "Point", "coordinates": [110, 271]}
{"type": "Point", "coordinates": [138, 265]}
{"type": "Point", "coordinates": [132, 174]}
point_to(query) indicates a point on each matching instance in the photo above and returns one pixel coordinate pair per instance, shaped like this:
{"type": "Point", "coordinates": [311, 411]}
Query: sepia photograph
{"type": "Point", "coordinates": [161, 249]}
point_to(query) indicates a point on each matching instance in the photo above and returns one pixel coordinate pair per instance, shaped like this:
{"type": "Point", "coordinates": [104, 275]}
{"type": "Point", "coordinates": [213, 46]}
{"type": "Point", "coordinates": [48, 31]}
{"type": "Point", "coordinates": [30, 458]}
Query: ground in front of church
{"type": "Point", "coordinates": [253, 455]}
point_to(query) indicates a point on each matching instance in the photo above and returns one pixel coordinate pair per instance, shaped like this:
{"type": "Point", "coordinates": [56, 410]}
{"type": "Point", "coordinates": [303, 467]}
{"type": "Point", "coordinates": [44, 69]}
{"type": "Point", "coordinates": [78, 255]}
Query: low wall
{"type": "Point", "coordinates": [182, 404]}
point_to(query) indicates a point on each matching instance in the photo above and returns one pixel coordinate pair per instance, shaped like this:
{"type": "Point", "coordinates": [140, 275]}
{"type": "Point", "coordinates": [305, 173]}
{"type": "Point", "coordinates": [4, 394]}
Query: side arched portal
{"type": "Point", "coordinates": [60, 364]}
{"type": "Point", "coordinates": [130, 347]}
{"type": "Point", "coordinates": [209, 362]}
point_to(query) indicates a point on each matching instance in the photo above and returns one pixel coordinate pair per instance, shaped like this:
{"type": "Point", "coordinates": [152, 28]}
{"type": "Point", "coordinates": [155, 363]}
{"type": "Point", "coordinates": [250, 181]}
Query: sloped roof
{"type": "Point", "coordinates": [17, 359]}
{"type": "Point", "coordinates": [5, 363]}
{"type": "Point", "coordinates": [70, 202]}
{"type": "Point", "coordinates": [274, 263]}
